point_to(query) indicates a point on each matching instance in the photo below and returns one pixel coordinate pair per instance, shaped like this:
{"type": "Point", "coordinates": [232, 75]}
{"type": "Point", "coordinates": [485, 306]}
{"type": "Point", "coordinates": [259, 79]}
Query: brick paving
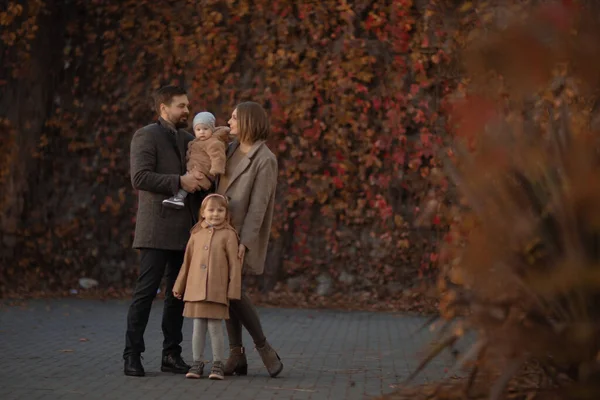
{"type": "Point", "coordinates": [71, 349]}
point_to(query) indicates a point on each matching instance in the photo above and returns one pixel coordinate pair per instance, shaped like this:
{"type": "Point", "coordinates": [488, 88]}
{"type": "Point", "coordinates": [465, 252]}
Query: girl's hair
{"type": "Point", "coordinates": [253, 122]}
{"type": "Point", "coordinates": [219, 199]}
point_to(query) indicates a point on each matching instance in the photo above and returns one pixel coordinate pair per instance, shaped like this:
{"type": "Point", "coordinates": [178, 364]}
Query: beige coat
{"type": "Point", "coordinates": [211, 269]}
{"type": "Point", "coordinates": [251, 193]}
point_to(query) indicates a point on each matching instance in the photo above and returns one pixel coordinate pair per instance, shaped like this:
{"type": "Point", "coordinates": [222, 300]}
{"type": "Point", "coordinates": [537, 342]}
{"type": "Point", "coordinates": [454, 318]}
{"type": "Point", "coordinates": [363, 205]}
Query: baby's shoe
{"type": "Point", "coordinates": [196, 370]}
{"type": "Point", "coordinates": [175, 202]}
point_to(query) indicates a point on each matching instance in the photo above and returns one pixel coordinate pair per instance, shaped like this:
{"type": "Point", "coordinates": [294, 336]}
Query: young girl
{"type": "Point", "coordinates": [205, 157]}
{"type": "Point", "coordinates": [210, 276]}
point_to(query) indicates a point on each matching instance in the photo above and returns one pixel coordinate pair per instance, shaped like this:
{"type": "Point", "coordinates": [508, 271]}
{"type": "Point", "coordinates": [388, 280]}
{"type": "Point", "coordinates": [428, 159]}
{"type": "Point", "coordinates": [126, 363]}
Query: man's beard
{"type": "Point", "coordinates": [181, 123]}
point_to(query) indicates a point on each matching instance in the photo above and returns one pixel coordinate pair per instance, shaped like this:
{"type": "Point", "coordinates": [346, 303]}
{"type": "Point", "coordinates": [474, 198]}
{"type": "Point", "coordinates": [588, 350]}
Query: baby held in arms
{"type": "Point", "coordinates": [205, 155]}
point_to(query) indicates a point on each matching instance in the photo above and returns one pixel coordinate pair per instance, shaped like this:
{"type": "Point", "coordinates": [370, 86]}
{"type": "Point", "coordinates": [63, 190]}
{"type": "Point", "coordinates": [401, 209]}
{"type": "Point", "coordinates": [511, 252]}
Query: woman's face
{"type": "Point", "coordinates": [233, 123]}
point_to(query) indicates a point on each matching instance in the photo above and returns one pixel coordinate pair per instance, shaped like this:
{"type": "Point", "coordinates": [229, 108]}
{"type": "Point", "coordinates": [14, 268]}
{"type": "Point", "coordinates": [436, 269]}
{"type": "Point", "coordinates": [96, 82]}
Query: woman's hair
{"type": "Point", "coordinates": [253, 122]}
{"type": "Point", "coordinates": [217, 198]}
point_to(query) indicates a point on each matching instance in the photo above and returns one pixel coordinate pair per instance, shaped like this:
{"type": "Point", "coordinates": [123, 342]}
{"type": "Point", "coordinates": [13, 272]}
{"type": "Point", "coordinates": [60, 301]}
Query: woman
{"type": "Point", "coordinates": [249, 183]}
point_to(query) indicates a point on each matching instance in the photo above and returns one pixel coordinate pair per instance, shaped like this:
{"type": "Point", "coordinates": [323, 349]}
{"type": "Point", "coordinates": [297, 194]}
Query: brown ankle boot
{"type": "Point", "coordinates": [236, 363]}
{"type": "Point", "coordinates": [271, 359]}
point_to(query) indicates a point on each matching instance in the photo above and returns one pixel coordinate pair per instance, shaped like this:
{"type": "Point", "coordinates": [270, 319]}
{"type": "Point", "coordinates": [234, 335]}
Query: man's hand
{"type": "Point", "coordinates": [189, 183]}
{"type": "Point", "coordinates": [198, 175]}
{"type": "Point", "coordinates": [177, 295]}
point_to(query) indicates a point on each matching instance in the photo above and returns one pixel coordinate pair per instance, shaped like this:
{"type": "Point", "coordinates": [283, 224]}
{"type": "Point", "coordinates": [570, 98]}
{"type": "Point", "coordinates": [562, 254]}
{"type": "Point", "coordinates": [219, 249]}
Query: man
{"type": "Point", "coordinates": [158, 172]}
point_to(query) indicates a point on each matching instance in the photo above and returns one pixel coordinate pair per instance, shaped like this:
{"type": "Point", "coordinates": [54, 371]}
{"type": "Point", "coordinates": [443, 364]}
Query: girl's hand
{"type": "Point", "coordinates": [177, 295]}
{"type": "Point", "coordinates": [241, 251]}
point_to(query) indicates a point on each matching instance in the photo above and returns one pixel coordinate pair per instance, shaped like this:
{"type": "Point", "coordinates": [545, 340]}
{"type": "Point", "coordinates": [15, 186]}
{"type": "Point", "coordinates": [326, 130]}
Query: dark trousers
{"type": "Point", "coordinates": [154, 264]}
{"type": "Point", "coordinates": [243, 313]}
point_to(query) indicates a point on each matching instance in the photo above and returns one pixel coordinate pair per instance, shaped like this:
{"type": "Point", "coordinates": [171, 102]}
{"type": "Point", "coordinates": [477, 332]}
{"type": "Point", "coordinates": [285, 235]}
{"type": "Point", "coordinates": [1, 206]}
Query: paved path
{"type": "Point", "coordinates": [71, 349]}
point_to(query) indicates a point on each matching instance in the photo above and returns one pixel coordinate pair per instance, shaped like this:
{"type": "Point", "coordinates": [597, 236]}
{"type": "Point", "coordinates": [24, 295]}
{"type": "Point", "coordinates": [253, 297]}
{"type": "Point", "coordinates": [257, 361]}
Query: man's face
{"type": "Point", "coordinates": [177, 112]}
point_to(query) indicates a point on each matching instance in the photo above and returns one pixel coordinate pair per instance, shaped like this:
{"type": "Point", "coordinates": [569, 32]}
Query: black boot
{"type": "Point", "coordinates": [133, 365]}
{"type": "Point", "coordinates": [174, 363]}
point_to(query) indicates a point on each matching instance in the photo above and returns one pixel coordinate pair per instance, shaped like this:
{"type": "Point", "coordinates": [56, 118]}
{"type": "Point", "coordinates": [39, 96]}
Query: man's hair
{"type": "Point", "coordinates": [253, 122]}
{"type": "Point", "coordinates": [165, 95]}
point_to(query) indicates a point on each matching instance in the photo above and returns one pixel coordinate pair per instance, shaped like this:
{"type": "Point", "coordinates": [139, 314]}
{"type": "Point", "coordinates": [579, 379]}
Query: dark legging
{"type": "Point", "coordinates": [242, 312]}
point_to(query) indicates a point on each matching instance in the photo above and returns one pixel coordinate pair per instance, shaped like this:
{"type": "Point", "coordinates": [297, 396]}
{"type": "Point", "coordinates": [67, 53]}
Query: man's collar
{"type": "Point", "coordinates": [167, 124]}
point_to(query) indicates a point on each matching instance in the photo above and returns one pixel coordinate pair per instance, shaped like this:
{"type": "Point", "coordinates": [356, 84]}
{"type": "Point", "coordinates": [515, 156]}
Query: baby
{"type": "Point", "coordinates": [205, 155]}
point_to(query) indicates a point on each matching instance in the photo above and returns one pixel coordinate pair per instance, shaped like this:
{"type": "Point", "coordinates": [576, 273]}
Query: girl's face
{"type": "Point", "coordinates": [233, 123]}
{"type": "Point", "coordinates": [214, 213]}
{"type": "Point", "coordinates": [202, 131]}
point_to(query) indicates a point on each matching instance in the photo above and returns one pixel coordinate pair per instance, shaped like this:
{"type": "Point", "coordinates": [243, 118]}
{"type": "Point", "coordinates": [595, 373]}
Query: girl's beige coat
{"type": "Point", "coordinates": [211, 269]}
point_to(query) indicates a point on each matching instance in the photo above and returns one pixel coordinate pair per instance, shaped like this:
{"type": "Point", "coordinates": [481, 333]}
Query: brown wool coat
{"type": "Point", "coordinates": [208, 156]}
{"type": "Point", "coordinates": [211, 269]}
{"type": "Point", "coordinates": [251, 193]}
{"type": "Point", "coordinates": [157, 160]}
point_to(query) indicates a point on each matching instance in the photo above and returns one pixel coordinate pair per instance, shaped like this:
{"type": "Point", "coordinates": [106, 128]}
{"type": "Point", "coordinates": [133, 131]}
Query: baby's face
{"type": "Point", "coordinates": [202, 131]}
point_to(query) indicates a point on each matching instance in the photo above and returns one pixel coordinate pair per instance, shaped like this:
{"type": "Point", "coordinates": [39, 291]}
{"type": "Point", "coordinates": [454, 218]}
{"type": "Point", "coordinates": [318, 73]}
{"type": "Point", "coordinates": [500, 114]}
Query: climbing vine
{"type": "Point", "coordinates": [357, 92]}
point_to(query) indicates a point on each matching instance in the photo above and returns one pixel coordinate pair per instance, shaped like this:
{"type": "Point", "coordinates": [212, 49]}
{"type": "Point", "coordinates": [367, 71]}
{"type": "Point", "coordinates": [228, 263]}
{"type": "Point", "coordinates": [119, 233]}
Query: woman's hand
{"type": "Point", "coordinates": [178, 295]}
{"type": "Point", "coordinates": [241, 251]}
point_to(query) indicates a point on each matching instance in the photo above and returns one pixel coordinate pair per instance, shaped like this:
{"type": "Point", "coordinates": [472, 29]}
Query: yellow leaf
{"type": "Point", "coordinates": [398, 220]}
{"type": "Point", "coordinates": [466, 6]}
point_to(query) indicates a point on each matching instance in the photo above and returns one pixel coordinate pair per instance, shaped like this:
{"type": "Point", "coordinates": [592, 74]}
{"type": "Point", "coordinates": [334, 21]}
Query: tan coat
{"type": "Point", "coordinates": [251, 193]}
{"type": "Point", "coordinates": [208, 156]}
{"type": "Point", "coordinates": [211, 269]}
